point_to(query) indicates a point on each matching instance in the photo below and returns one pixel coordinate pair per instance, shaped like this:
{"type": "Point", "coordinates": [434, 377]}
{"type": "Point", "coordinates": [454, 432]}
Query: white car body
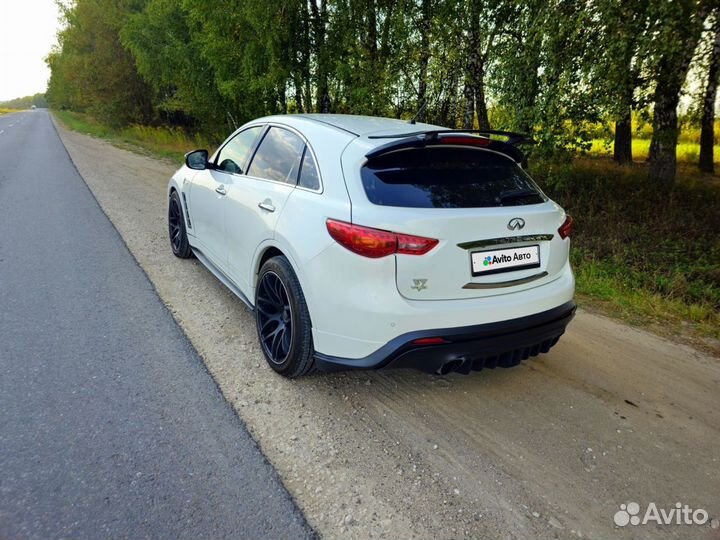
{"type": "Point", "coordinates": [362, 307]}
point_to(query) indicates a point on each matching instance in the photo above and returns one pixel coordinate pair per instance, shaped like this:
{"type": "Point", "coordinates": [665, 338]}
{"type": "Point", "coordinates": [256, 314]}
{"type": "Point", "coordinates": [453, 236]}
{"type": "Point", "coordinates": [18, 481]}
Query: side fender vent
{"type": "Point", "coordinates": [187, 214]}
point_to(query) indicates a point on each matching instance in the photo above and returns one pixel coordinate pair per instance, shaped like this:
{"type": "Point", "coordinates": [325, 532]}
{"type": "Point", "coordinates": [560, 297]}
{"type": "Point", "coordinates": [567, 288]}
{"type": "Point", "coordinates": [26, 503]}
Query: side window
{"type": "Point", "coordinates": [278, 156]}
{"type": "Point", "coordinates": [236, 152]}
{"type": "Point", "coordinates": [309, 177]}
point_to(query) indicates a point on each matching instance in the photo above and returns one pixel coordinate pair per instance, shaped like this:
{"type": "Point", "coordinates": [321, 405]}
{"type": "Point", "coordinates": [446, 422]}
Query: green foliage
{"type": "Point", "coordinates": [552, 68]}
{"type": "Point", "coordinates": [25, 102]}
{"type": "Point", "coordinates": [169, 58]}
{"type": "Point", "coordinates": [91, 71]}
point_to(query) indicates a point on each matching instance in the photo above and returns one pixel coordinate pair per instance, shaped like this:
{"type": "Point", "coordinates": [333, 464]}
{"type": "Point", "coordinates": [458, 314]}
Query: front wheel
{"type": "Point", "coordinates": [176, 228]}
{"type": "Point", "coordinates": [282, 319]}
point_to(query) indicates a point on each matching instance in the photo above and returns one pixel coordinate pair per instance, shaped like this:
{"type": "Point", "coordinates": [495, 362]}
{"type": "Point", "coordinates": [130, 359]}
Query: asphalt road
{"type": "Point", "coordinates": [110, 425]}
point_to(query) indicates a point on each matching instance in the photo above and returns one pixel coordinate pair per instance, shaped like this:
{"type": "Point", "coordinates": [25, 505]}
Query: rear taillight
{"type": "Point", "coordinates": [566, 228]}
{"type": "Point", "coordinates": [376, 243]}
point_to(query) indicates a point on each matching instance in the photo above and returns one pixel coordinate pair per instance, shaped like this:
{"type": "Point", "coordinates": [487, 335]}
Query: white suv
{"type": "Point", "coordinates": [364, 242]}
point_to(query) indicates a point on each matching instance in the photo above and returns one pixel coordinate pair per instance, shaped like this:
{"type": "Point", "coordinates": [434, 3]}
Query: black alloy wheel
{"type": "Point", "coordinates": [176, 229]}
{"type": "Point", "coordinates": [275, 318]}
{"type": "Point", "coordinates": [282, 319]}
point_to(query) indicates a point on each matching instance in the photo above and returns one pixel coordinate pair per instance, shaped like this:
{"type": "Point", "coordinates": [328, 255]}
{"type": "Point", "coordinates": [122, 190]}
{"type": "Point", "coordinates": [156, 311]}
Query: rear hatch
{"type": "Point", "coordinates": [497, 231]}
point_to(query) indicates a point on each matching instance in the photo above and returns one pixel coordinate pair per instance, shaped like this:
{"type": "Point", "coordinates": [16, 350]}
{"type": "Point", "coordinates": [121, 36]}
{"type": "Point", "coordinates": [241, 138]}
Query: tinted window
{"type": "Point", "coordinates": [236, 152]}
{"type": "Point", "coordinates": [309, 177]}
{"type": "Point", "coordinates": [278, 156]}
{"type": "Point", "coordinates": [447, 178]}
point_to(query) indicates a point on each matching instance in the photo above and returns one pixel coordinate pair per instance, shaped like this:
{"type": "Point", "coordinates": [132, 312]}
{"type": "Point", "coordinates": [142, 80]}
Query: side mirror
{"type": "Point", "coordinates": [197, 159]}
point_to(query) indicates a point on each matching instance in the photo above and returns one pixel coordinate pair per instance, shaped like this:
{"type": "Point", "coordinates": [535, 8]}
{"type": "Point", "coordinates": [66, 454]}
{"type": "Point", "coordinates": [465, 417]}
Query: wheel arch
{"type": "Point", "coordinates": [174, 188]}
{"type": "Point", "coordinates": [270, 249]}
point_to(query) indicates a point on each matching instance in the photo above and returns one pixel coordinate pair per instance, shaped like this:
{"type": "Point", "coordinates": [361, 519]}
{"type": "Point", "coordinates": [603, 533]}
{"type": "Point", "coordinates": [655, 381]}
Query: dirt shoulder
{"type": "Point", "coordinates": [549, 449]}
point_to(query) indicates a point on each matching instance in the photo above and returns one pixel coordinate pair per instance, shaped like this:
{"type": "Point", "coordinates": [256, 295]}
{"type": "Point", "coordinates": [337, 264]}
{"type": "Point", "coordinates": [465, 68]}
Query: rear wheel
{"type": "Point", "coordinates": [176, 228]}
{"type": "Point", "coordinates": [282, 319]}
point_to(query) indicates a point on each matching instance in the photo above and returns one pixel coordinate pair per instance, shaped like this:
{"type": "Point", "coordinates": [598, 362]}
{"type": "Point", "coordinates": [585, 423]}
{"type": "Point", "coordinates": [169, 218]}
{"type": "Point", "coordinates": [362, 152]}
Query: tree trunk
{"type": "Point", "coordinates": [475, 72]}
{"type": "Point", "coordinates": [319, 14]}
{"type": "Point", "coordinates": [424, 60]}
{"type": "Point", "coordinates": [373, 74]}
{"type": "Point", "coordinates": [531, 82]}
{"type": "Point", "coordinates": [671, 76]}
{"type": "Point", "coordinates": [298, 94]}
{"type": "Point", "coordinates": [623, 140]}
{"type": "Point", "coordinates": [306, 69]}
{"type": "Point", "coordinates": [469, 117]}
{"type": "Point", "coordinates": [707, 131]}
{"type": "Point", "coordinates": [480, 105]}
{"type": "Point", "coordinates": [282, 98]}
{"type": "Point", "coordinates": [622, 149]}
{"type": "Point", "coordinates": [663, 146]}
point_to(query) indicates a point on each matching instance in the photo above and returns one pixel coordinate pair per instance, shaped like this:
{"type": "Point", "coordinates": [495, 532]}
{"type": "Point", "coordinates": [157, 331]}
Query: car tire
{"type": "Point", "coordinates": [282, 320]}
{"type": "Point", "coordinates": [176, 228]}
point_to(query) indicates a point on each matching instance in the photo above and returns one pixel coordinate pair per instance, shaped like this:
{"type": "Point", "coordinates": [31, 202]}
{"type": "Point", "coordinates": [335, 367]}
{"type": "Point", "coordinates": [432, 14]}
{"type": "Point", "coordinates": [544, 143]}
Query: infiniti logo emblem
{"type": "Point", "coordinates": [515, 224]}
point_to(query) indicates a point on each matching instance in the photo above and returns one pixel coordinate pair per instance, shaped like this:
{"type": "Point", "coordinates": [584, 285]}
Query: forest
{"type": "Point", "coordinates": [553, 68]}
{"type": "Point", "coordinates": [580, 76]}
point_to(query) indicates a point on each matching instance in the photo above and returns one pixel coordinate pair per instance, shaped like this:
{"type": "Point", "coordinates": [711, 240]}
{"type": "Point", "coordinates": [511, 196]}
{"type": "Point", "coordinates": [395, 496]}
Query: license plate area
{"type": "Point", "coordinates": [496, 261]}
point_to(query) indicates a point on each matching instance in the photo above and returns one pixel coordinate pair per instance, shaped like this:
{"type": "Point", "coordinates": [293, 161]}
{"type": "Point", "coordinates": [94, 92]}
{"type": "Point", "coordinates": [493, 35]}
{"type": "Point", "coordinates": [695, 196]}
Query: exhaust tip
{"type": "Point", "coordinates": [450, 366]}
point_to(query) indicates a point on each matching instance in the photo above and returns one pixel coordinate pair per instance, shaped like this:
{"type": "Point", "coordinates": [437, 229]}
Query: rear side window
{"type": "Point", "coordinates": [309, 176]}
{"type": "Point", "coordinates": [235, 153]}
{"type": "Point", "coordinates": [278, 156]}
{"type": "Point", "coordinates": [447, 178]}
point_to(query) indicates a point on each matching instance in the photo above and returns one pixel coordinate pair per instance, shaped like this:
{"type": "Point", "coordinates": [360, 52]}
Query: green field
{"type": "Point", "coordinates": [687, 152]}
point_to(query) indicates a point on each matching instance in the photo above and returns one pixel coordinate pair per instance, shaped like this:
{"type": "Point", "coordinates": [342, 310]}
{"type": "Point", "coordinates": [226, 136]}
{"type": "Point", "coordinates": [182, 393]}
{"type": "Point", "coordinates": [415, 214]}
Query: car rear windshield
{"type": "Point", "coordinates": [447, 178]}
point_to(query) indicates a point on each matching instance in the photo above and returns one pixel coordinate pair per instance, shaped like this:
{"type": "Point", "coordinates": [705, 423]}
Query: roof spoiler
{"type": "Point", "coordinates": [420, 139]}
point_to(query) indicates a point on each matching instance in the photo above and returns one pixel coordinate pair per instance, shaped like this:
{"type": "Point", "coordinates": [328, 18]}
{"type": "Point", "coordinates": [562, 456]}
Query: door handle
{"type": "Point", "coordinates": [221, 190]}
{"type": "Point", "coordinates": [266, 205]}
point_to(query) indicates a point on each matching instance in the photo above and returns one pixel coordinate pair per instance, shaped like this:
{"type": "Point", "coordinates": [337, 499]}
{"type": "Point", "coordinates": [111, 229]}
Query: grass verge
{"type": "Point", "coordinates": [649, 257]}
{"type": "Point", "coordinates": [167, 142]}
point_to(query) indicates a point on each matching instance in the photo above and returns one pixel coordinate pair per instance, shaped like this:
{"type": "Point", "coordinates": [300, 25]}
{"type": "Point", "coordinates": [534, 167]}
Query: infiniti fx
{"type": "Point", "coordinates": [363, 242]}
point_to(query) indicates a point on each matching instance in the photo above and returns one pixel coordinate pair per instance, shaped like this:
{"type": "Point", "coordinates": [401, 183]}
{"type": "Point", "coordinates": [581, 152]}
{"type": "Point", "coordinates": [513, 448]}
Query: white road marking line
{"type": "Point", "coordinates": [2, 131]}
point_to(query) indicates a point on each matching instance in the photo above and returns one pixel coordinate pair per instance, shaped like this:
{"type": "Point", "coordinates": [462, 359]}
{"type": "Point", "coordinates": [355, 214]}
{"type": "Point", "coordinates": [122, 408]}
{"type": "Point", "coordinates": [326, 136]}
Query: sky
{"type": "Point", "coordinates": [28, 30]}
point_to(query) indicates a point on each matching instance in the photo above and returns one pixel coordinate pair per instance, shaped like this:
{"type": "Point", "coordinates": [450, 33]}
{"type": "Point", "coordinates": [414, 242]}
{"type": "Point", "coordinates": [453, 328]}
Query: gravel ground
{"type": "Point", "coordinates": [549, 449]}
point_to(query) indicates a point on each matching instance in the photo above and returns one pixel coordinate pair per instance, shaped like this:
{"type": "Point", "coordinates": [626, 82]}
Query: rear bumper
{"type": "Point", "coordinates": [467, 348]}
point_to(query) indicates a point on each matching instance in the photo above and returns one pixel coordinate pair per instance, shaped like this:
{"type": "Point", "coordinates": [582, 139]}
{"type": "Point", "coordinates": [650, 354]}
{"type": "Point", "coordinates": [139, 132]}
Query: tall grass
{"type": "Point", "coordinates": [644, 253]}
{"type": "Point", "coordinates": [172, 140]}
{"type": "Point", "coordinates": [168, 142]}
